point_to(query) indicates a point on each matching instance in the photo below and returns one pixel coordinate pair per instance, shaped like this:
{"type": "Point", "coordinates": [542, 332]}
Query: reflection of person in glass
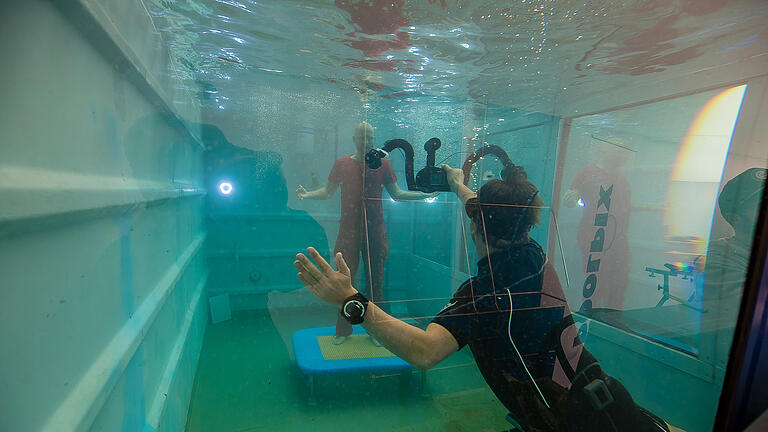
{"type": "Point", "coordinates": [604, 195]}
{"type": "Point", "coordinates": [260, 224]}
{"type": "Point", "coordinates": [361, 227]}
{"type": "Point", "coordinates": [728, 258]}
{"type": "Point", "coordinates": [512, 314]}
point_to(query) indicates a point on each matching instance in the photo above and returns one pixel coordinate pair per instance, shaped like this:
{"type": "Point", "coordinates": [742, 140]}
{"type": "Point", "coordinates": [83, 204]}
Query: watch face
{"type": "Point", "coordinates": [354, 308]}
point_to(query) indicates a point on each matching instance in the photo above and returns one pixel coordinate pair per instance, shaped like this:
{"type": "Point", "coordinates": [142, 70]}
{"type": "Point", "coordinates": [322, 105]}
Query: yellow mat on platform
{"type": "Point", "coordinates": [357, 346]}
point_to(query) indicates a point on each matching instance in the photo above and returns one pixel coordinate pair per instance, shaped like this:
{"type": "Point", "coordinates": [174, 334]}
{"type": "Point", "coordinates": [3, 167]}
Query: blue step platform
{"type": "Point", "coordinates": [310, 359]}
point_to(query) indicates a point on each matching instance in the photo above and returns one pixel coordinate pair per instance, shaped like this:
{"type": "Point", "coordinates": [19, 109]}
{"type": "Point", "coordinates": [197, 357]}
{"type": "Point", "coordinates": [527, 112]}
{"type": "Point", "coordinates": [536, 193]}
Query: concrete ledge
{"type": "Point", "coordinates": [181, 348]}
{"type": "Point", "coordinates": [79, 409]}
{"type": "Point", "coordinates": [37, 198]}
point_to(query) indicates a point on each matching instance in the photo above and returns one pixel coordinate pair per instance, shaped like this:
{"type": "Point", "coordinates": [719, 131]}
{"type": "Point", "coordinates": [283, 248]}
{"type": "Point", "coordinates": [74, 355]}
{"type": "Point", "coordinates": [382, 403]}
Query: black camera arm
{"type": "Point", "coordinates": [482, 151]}
{"type": "Point", "coordinates": [432, 178]}
{"type": "Point", "coordinates": [374, 156]}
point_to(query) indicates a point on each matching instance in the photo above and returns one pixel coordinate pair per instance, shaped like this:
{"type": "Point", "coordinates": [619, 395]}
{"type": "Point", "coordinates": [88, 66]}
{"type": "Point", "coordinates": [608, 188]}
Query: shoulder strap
{"type": "Point", "coordinates": [552, 342]}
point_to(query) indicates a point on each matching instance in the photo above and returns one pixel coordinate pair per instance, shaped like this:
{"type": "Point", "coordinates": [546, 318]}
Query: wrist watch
{"type": "Point", "coordinates": [353, 308]}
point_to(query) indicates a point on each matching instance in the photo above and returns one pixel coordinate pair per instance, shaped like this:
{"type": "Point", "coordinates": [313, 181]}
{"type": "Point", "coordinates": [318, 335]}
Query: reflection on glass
{"type": "Point", "coordinates": [148, 225]}
{"type": "Point", "coordinates": [605, 195]}
{"type": "Point", "coordinates": [648, 205]}
{"type": "Point", "coordinates": [728, 260]}
{"type": "Point", "coordinates": [361, 226]}
{"type": "Point", "coordinates": [699, 166]}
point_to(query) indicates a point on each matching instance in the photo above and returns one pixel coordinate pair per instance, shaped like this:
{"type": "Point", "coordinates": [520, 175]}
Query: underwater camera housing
{"type": "Point", "coordinates": [431, 178]}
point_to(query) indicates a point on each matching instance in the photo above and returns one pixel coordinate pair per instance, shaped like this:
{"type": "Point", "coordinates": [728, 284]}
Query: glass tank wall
{"type": "Point", "coordinates": [163, 163]}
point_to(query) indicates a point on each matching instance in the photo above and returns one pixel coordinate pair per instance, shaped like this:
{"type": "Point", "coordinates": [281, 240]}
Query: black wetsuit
{"type": "Point", "coordinates": [541, 326]}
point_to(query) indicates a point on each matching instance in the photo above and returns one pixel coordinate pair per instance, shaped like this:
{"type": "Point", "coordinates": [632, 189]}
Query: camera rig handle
{"type": "Point", "coordinates": [432, 178]}
{"type": "Point", "coordinates": [482, 151]}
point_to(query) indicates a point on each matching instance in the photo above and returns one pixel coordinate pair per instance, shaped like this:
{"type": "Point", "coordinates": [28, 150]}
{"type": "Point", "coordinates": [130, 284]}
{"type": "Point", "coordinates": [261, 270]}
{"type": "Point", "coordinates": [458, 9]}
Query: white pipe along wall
{"type": "Point", "coordinates": [101, 225]}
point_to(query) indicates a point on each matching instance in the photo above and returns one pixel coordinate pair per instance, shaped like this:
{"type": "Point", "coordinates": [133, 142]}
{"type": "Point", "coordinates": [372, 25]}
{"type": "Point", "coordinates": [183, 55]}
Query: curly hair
{"type": "Point", "coordinates": [506, 210]}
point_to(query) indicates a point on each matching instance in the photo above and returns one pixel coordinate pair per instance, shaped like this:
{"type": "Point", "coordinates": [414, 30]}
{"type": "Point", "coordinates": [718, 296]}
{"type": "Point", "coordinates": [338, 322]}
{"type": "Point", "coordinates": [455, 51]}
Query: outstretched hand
{"type": "Point", "coordinates": [301, 193]}
{"type": "Point", "coordinates": [454, 176]}
{"type": "Point", "coordinates": [325, 283]}
{"type": "Point", "coordinates": [455, 179]}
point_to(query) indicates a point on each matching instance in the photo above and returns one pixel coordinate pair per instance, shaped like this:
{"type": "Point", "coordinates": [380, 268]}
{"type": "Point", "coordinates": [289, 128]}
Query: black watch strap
{"type": "Point", "coordinates": [353, 309]}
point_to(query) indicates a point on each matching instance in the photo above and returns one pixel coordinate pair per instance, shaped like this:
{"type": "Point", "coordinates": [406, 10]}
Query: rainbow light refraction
{"type": "Point", "coordinates": [705, 146]}
{"type": "Point", "coordinates": [699, 164]}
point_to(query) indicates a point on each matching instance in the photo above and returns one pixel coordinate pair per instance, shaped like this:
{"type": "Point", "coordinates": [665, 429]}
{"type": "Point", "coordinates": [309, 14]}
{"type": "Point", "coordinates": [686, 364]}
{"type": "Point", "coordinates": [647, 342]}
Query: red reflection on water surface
{"type": "Point", "coordinates": [652, 50]}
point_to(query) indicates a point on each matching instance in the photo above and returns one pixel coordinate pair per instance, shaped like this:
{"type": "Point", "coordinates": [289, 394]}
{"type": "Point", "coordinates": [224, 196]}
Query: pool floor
{"type": "Point", "coordinates": [247, 381]}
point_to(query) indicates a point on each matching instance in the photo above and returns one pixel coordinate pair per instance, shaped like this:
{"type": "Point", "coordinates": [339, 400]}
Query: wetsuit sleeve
{"type": "Point", "coordinates": [459, 316]}
{"type": "Point", "coordinates": [337, 172]}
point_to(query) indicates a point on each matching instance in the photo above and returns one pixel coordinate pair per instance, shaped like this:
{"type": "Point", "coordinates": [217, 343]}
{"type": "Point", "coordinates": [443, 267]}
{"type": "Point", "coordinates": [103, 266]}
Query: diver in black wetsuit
{"type": "Point", "coordinates": [513, 315]}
